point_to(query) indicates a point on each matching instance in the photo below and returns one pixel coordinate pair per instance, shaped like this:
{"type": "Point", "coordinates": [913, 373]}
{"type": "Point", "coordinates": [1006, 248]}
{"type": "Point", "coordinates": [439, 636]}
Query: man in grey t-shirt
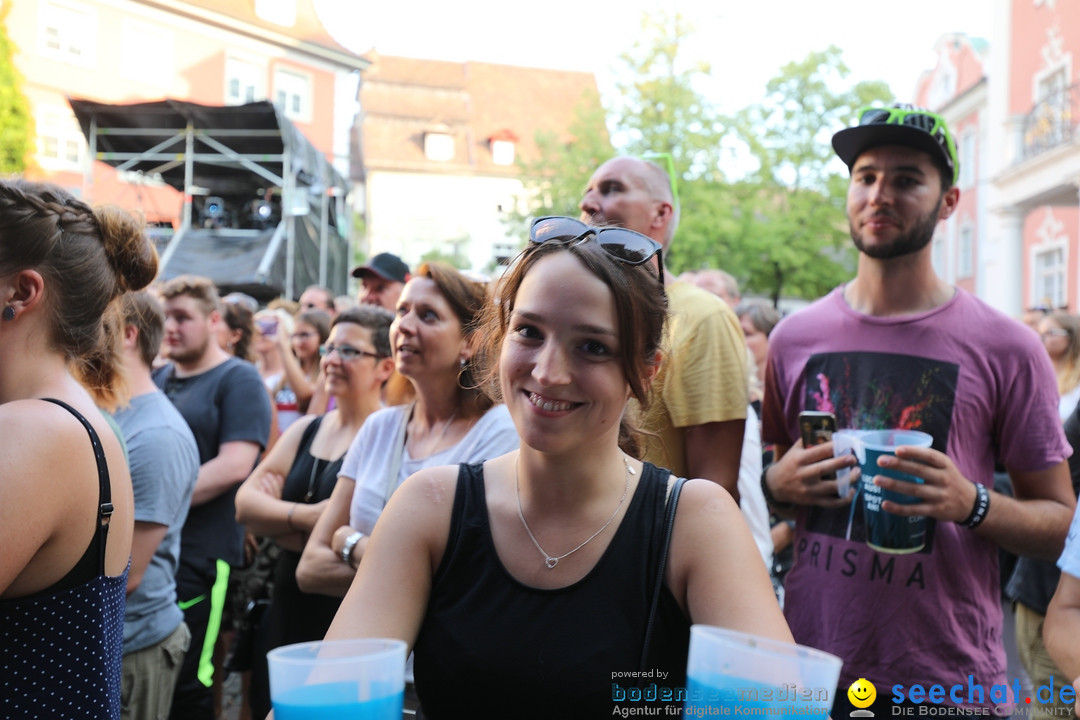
{"type": "Point", "coordinates": [164, 462]}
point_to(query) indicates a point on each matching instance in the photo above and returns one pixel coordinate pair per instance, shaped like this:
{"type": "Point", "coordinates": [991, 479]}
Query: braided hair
{"type": "Point", "coordinates": [87, 258]}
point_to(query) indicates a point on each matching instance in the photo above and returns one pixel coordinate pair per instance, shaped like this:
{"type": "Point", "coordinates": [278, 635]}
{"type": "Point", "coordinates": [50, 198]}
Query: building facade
{"type": "Point", "coordinates": [1015, 110]}
{"type": "Point", "coordinates": [440, 145]}
{"type": "Point", "coordinates": [213, 52]}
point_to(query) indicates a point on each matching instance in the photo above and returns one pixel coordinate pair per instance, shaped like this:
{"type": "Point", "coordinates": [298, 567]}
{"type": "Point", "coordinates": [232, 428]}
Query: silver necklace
{"type": "Point", "coordinates": [552, 561]}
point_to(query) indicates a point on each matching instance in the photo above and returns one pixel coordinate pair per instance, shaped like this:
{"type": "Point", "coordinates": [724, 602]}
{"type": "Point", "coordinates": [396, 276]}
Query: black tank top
{"type": "Point", "coordinates": [492, 647]}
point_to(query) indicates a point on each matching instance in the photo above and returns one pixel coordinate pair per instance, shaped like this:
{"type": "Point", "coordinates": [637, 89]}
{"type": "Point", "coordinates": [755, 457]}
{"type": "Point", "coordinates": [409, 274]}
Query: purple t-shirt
{"type": "Point", "coordinates": [982, 385]}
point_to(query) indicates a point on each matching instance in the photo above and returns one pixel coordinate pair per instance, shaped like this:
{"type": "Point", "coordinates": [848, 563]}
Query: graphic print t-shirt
{"type": "Point", "coordinates": [982, 386]}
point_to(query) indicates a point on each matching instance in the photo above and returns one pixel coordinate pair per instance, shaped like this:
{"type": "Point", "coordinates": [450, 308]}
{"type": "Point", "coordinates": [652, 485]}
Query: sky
{"type": "Point", "coordinates": [746, 43]}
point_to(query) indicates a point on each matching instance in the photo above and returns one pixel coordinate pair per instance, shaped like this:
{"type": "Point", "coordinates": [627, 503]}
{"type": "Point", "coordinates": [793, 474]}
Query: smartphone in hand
{"type": "Point", "coordinates": [816, 428]}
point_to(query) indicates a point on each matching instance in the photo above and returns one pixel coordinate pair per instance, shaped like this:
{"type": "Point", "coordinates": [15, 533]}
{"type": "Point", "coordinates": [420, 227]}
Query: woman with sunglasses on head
{"type": "Point", "coordinates": [66, 509]}
{"type": "Point", "coordinates": [525, 582]}
{"type": "Point", "coordinates": [285, 494]}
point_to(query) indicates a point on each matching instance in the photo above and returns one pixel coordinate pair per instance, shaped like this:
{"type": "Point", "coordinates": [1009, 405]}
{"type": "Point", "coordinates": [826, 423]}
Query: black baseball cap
{"type": "Point", "coordinates": [901, 124]}
{"type": "Point", "coordinates": [385, 265]}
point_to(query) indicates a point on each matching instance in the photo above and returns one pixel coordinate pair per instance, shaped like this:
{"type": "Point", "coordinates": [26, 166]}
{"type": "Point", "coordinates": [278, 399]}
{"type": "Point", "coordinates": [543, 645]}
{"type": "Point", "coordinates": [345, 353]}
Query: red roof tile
{"type": "Point", "coordinates": [402, 99]}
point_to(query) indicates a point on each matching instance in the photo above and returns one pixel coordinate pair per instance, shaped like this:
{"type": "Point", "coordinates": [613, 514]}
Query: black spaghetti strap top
{"type": "Point", "coordinates": [92, 562]}
{"type": "Point", "coordinates": [491, 646]}
{"type": "Point", "coordinates": [60, 649]}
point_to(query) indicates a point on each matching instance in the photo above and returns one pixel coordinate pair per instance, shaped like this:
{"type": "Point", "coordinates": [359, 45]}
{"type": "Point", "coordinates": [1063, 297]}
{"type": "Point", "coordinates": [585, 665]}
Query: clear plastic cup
{"type": "Point", "coordinates": [362, 679]}
{"type": "Point", "coordinates": [733, 673]}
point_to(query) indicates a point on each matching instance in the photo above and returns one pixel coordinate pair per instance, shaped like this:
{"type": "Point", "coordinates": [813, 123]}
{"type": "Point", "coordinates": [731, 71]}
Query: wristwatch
{"type": "Point", "coordinates": [350, 543]}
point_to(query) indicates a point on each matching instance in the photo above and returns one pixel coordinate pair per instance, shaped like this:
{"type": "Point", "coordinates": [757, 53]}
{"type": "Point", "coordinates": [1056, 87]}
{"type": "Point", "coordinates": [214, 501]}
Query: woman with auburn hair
{"type": "Point", "coordinates": [537, 574]}
{"type": "Point", "coordinates": [66, 515]}
{"type": "Point", "coordinates": [439, 416]}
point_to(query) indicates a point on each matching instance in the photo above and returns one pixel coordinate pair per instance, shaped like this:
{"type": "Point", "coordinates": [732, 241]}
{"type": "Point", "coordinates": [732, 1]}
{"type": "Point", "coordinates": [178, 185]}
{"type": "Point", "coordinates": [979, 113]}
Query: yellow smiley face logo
{"type": "Point", "coordinates": [862, 693]}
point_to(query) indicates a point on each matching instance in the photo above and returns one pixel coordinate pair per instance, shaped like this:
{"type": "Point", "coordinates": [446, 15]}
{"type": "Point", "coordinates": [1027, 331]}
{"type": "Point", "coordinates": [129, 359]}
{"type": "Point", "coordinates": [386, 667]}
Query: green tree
{"type": "Point", "coordinates": [663, 109]}
{"type": "Point", "coordinates": [16, 127]}
{"type": "Point", "coordinates": [555, 178]}
{"type": "Point", "coordinates": [793, 236]}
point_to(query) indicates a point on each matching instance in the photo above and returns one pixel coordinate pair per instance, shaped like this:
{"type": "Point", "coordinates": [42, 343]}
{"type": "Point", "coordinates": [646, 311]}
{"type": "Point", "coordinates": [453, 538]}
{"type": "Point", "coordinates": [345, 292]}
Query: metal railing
{"type": "Point", "coordinates": [1052, 122]}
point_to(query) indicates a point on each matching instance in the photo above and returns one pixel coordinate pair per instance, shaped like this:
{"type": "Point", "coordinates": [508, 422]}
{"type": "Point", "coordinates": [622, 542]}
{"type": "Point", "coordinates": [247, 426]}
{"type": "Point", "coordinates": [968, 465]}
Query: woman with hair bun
{"type": "Point", "coordinates": [66, 514]}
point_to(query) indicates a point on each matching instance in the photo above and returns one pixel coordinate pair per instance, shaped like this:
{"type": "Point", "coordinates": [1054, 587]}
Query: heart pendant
{"type": "Point", "coordinates": [551, 562]}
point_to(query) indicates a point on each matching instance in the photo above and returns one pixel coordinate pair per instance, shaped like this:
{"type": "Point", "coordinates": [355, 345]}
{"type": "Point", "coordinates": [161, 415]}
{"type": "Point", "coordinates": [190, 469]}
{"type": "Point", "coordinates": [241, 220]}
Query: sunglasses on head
{"type": "Point", "coordinates": [624, 245]}
{"type": "Point", "coordinates": [930, 123]}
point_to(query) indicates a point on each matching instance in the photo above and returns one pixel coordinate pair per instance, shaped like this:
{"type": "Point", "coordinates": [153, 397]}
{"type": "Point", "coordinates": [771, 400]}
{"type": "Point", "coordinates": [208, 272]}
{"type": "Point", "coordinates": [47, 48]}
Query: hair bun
{"type": "Point", "coordinates": [130, 252]}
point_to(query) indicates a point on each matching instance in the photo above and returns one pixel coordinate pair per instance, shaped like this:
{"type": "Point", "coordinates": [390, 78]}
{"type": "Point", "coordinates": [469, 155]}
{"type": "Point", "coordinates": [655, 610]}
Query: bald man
{"type": "Point", "coordinates": [697, 404]}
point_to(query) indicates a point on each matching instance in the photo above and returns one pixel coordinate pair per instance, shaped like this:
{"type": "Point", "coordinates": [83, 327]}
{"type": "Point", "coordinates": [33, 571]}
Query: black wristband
{"type": "Point", "coordinates": [978, 512]}
{"type": "Point", "coordinates": [769, 499]}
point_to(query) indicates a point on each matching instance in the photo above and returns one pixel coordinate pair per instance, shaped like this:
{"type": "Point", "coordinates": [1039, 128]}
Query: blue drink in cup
{"type": "Point", "coordinates": [732, 673]}
{"type": "Point", "coordinates": [885, 532]}
{"type": "Point", "coordinates": [362, 679]}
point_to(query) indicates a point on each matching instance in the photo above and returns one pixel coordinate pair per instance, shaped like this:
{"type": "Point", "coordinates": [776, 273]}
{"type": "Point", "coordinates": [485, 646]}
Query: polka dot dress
{"type": "Point", "coordinates": [60, 654]}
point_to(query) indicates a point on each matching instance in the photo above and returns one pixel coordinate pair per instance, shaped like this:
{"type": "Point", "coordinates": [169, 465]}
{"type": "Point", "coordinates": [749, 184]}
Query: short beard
{"type": "Point", "coordinates": [190, 356]}
{"type": "Point", "coordinates": [906, 244]}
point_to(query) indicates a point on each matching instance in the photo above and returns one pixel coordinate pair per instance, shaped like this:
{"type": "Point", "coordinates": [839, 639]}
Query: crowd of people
{"type": "Point", "coordinates": [537, 482]}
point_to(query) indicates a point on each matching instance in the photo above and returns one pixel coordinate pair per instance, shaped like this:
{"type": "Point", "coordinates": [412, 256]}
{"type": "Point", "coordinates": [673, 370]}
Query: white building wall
{"type": "Point", "coordinates": [411, 214]}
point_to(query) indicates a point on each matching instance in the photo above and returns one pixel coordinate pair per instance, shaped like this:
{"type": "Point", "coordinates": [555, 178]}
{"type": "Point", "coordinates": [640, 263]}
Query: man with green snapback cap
{"type": "Point", "coordinates": [898, 347]}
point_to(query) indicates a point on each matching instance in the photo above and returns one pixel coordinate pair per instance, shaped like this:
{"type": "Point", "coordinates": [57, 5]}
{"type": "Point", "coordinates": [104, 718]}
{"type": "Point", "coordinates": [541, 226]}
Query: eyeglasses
{"type": "Point", "coordinates": [348, 353]}
{"type": "Point", "coordinates": [1055, 332]}
{"type": "Point", "coordinates": [931, 123]}
{"type": "Point", "coordinates": [667, 162]}
{"type": "Point", "coordinates": [624, 245]}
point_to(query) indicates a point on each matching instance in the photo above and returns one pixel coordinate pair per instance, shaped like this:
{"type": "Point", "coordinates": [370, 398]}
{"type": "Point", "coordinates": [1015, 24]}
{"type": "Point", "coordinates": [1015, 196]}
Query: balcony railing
{"type": "Point", "coordinates": [1052, 122]}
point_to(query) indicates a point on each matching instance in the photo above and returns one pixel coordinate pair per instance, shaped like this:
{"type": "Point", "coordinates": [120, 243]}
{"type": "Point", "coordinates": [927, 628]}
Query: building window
{"type": "Point", "coordinates": [244, 81]}
{"type": "Point", "coordinates": [279, 12]}
{"type": "Point", "coordinates": [146, 52]}
{"type": "Point", "coordinates": [292, 93]}
{"type": "Point", "coordinates": [68, 33]}
{"type": "Point", "coordinates": [439, 146]}
{"type": "Point", "coordinates": [502, 152]}
{"type": "Point", "coordinates": [1050, 275]}
{"type": "Point", "coordinates": [60, 142]}
{"type": "Point", "coordinates": [967, 160]}
{"type": "Point", "coordinates": [965, 260]}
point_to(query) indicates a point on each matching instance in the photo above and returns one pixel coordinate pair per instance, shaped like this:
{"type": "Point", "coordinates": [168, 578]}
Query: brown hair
{"type": "Point", "coordinates": [200, 289]}
{"type": "Point", "coordinates": [318, 319]}
{"type": "Point", "coordinates": [88, 258]}
{"type": "Point", "coordinates": [466, 298]}
{"type": "Point", "coordinates": [374, 318]}
{"type": "Point", "coordinates": [238, 316]}
{"type": "Point", "coordinates": [640, 306]}
{"type": "Point", "coordinates": [144, 311]}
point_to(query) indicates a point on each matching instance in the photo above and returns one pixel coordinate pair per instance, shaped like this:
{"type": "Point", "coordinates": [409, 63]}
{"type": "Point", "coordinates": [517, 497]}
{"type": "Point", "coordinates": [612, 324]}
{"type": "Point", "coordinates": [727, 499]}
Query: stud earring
{"type": "Point", "coordinates": [9, 313]}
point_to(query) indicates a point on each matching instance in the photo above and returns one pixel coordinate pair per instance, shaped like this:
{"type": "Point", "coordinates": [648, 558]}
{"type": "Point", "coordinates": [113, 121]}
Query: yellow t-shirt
{"type": "Point", "coordinates": [702, 377]}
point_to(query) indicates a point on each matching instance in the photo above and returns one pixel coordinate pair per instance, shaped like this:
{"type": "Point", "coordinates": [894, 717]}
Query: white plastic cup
{"type": "Point", "coordinates": [885, 532]}
{"type": "Point", "coordinates": [728, 670]}
{"type": "Point", "coordinates": [362, 679]}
